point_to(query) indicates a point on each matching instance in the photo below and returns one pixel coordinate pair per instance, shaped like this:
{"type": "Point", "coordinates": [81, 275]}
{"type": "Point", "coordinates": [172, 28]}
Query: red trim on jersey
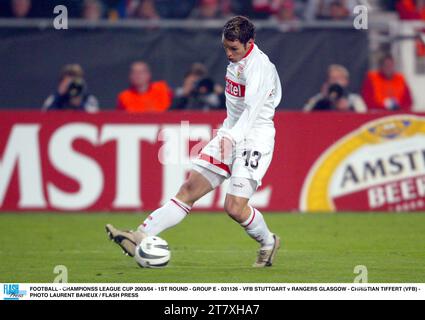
{"type": "Point", "coordinates": [253, 216]}
{"type": "Point", "coordinates": [180, 206]}
{"type": "Point", "coordinates": [249, 51]}
{"type": "Point", "coordinates": [235, 89]}
{"type": "Point", "coordinates": [215, 162]}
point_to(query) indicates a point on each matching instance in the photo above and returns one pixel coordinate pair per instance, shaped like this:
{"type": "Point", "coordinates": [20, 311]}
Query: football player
{"type": "Point", "coordinates": [241, 151]}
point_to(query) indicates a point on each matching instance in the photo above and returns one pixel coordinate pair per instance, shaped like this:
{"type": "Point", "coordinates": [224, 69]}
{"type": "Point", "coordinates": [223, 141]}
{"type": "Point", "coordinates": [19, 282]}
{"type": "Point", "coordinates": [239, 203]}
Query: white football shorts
{"type": "Point", "coordinates": [249, 162]}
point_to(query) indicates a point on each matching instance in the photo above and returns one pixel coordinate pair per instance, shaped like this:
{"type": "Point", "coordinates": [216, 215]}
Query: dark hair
{"type": "Point", "coordinates": [384, 57]}
{"type": "Point", "coordinates": [239, 28]}
{"type": "Point", "coordinates": [197, 69]}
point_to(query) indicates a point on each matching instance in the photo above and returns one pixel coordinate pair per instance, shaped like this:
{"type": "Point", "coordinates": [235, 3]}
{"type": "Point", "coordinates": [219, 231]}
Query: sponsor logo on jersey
{"type": "Point", "coordinates": [235, 89]}
{"type": "Point", "coordinates": [378, 167]}
{"type": "Point", "coordinates": [239, 71]}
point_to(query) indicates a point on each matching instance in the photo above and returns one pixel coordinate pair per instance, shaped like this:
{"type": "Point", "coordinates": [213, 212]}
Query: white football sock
{"type": "Point", "coordinates": [257, 229]}
{"type": "Point", "coordinates": [169, 215]}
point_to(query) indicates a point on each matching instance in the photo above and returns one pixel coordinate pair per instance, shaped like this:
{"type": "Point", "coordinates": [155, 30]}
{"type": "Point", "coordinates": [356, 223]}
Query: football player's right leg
{"type": "Point", "coordinates": [200, 182]}
{"type": "Point", "coordinates": [174, 211]}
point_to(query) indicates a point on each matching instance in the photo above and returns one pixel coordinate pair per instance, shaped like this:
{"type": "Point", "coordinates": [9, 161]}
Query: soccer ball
{"type": "Point", "coordinates": [152, 252]}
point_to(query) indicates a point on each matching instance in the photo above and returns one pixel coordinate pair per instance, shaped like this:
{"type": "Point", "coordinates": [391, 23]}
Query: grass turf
{"type": "Point", "coordinates": [212, 248]}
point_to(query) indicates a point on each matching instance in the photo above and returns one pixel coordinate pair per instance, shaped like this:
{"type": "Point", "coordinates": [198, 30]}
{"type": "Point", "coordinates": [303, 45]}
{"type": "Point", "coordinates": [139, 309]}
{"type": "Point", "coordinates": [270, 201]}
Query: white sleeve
{"type": "Point", "coordinates": [359, 104]}
{"type": "Point", "coordinates": [92, 104]}
{"type": "Point", "coordinates": [48, 102]}
{"type": "Point", "coordinates": [259, 86]}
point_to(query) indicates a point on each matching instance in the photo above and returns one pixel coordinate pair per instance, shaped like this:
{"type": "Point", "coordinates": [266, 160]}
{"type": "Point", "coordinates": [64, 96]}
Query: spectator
{"type": "Point", "coordinates": [92, 10]}
{"type": "Point", "coordinates": [411, 9]}
{"type": "Point", "coordinates": [21, 8]}
{"type": "Point", "coordinates": [181, 95]}
{"type": "Point", "coordinates": [146, 10]}
{"type": "Point", "coordinates": [335, 95]}
{"type": "Point", "coordinates": [273, 8]}
{"type": "Point", "coordinates": [286, 16]}
{"type": "Point", "coordinates": [228, 7]}
{"type": "Point", "coordinates": [263, 9]}
{"type": "Point", "coordinates": [207, 9]}
{"type": "Point", "coordinates": [198, 92]}
{"type": "Point", "coordinates": [143, 94]}
{"type": "Point", "coordinates": [117, 8]}
{"type": "Point", "coordinates": [330, 9]}
{"type": "Point", "coordinates": [386, 89]}
{"type": "Point", "coordinates": [72, 92]}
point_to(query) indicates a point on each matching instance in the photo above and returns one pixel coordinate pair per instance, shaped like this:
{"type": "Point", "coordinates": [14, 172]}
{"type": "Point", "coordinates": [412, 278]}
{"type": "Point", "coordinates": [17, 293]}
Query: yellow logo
{"type": "Point", "coordinates": [372, 168]}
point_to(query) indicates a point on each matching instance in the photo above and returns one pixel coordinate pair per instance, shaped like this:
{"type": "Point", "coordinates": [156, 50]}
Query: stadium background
{"type": "Point", "coordinates": [32, 53]}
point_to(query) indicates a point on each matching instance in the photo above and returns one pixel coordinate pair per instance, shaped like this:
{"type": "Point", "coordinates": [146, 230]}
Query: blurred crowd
{"type": "Point", "coordinates": [383, 89]}
{"type": "Point", "coordinates": [411, 9]}
{"type": "Point", "coordinates": [281, 10]}
{"type": "Point", "coordinates": [197, 92]}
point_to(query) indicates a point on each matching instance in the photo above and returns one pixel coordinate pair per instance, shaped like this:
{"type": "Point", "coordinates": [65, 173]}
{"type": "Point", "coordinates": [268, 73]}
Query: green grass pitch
{"type": "Point", "coordinates": [212, 248]}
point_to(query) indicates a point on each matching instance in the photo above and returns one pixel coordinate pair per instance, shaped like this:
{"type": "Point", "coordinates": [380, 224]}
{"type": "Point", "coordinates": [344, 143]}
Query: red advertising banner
{"type": "Point", "coordinates": [323, 162]}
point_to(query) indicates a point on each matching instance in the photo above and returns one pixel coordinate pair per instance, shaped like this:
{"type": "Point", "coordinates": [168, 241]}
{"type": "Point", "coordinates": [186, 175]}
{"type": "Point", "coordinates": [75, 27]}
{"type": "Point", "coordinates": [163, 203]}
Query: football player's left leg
{"type": "Point", "coordinates": [236, 205]}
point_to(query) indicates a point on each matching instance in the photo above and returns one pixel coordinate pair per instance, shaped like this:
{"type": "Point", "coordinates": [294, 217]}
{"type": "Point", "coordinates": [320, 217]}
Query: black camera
{"type": "Point", "coordinates": [204, 87]}
{"type": "Point", "coordinates": [76, 88]}
{"type": "Point", "coordinates": [336, 92]}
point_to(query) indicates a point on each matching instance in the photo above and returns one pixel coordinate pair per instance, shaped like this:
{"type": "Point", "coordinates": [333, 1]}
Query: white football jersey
{"type": "Point", "coordinates": [253, 92]}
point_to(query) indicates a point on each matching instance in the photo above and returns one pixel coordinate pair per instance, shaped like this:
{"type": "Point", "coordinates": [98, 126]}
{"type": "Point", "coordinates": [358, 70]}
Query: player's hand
{"type": "Point", "coordinates": [342, 105]}
{"type": "Point", "coordinates": [64, 85]}
{"type": "Point", "coordinates": [226, 149]}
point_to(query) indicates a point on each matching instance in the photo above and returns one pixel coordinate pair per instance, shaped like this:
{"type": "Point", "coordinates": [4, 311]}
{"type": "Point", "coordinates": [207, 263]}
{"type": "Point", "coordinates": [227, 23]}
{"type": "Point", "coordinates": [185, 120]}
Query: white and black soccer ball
{"type": "Point", "coordinates": [152, 252]}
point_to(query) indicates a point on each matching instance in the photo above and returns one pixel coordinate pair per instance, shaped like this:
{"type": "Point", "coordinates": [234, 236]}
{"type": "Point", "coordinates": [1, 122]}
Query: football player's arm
{"type": "Point", "coordinates": [259, 86]}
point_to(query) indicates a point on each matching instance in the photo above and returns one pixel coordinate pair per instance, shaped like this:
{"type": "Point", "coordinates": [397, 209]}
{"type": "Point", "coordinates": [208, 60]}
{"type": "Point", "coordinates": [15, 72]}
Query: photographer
{"type": "Point", "coordinates": [72, 92]}
{"type": "Point", "coordinates": [199, 91]}
{"type": "Point", "coordinates": [334, 95]}
{"type": "Point", "coordinates": [205, 97]}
